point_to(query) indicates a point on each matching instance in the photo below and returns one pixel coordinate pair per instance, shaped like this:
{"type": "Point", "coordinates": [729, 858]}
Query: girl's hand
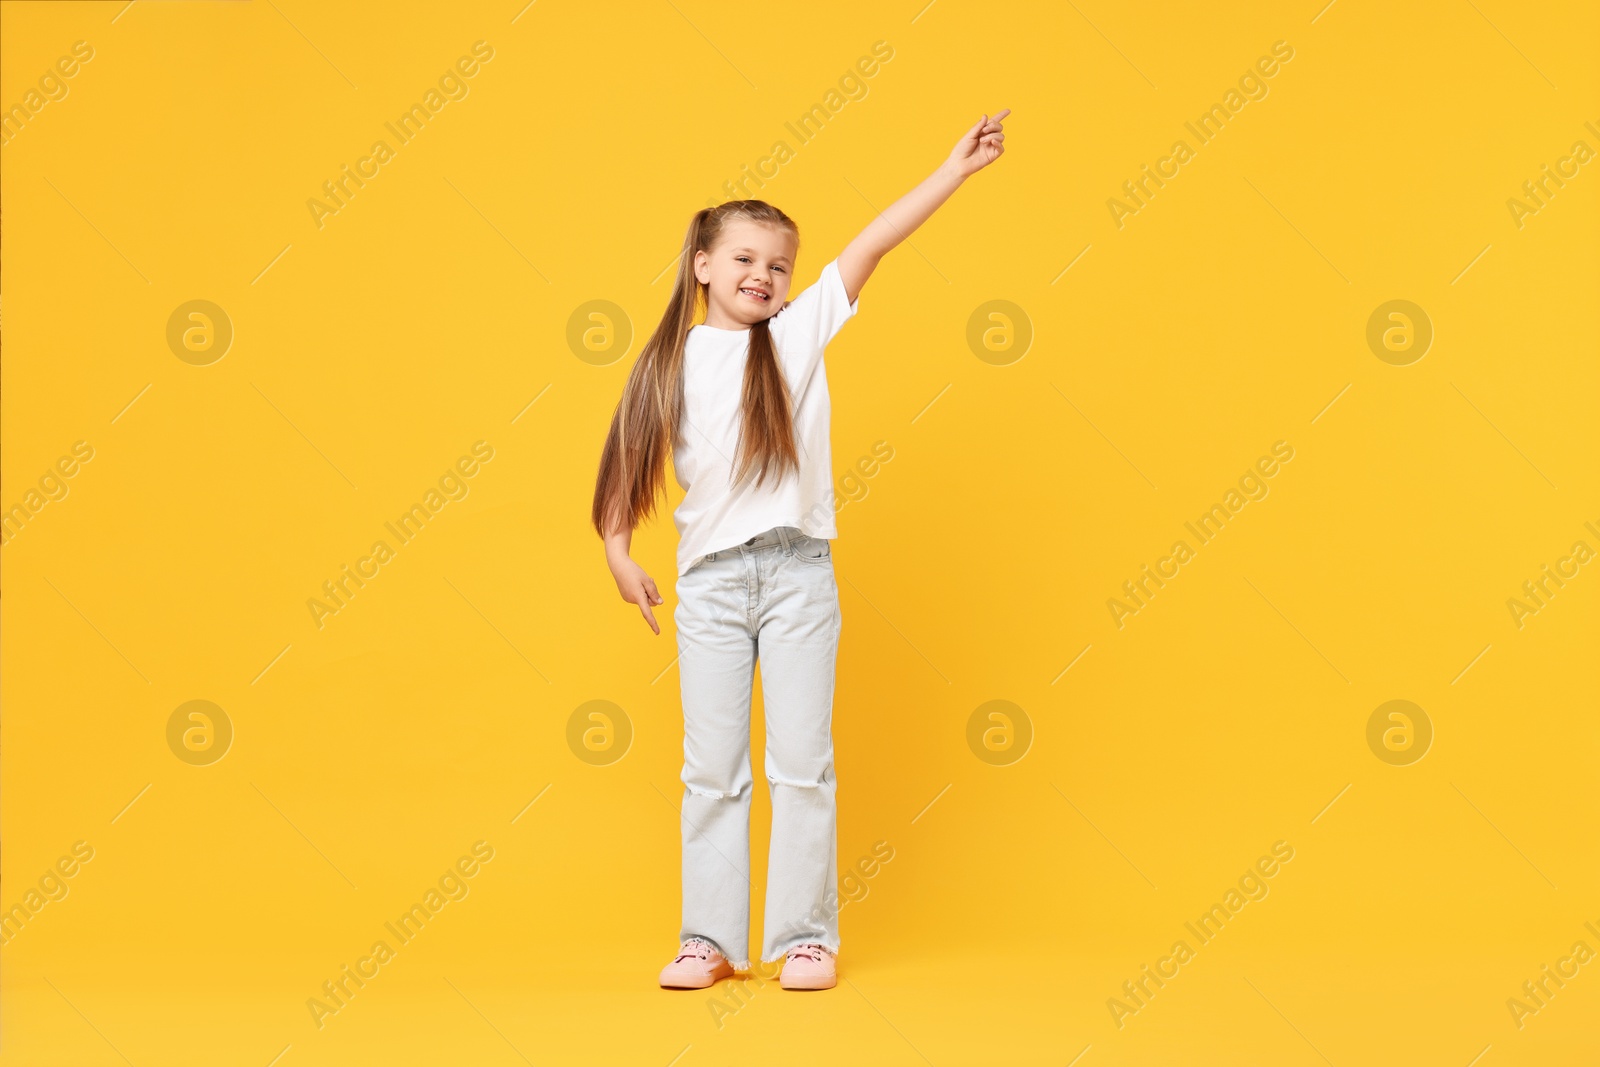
{"type": "Point", "coordinates": [636, 587]}
{"type": "Point", "coordinates": [979, 146]}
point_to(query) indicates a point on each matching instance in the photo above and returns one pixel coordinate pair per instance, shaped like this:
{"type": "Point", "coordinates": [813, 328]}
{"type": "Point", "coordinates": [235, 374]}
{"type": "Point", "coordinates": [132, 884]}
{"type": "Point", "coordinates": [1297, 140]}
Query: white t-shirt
{"type": "Point", "coordinates": [715, 514]}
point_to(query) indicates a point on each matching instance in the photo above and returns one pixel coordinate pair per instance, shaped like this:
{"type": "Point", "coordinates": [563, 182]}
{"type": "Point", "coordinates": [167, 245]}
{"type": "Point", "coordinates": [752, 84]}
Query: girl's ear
{"type": "Point", "coordinates": [702, 269]}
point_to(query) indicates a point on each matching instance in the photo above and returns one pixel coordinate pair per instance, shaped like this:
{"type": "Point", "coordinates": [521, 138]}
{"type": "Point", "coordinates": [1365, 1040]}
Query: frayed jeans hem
{"type": "Point", "coordinates": [784, 952]}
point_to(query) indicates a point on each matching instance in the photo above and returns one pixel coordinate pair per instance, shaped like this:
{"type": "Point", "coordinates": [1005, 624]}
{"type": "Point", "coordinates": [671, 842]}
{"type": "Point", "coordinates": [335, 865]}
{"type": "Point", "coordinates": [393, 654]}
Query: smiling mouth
{"type": "Point", "coordinates": [756, 294]}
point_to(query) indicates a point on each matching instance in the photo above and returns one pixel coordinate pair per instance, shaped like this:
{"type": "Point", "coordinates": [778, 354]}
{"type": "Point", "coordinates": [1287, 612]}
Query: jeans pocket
{"type": "Point", "coordinates": [813, 549]}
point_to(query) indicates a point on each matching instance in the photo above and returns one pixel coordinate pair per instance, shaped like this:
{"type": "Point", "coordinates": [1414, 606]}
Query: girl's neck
{"type": "Point", "coordinates": [727, 323]}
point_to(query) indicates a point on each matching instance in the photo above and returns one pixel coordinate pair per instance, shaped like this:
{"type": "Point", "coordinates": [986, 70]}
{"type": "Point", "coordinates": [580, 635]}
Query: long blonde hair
{"type": "Point", "coordinates": [648, 419]}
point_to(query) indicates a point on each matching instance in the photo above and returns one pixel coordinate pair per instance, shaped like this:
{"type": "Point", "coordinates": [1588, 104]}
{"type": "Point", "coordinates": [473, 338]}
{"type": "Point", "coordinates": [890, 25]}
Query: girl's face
{"type": "Point", "coordinates": [747, 274]}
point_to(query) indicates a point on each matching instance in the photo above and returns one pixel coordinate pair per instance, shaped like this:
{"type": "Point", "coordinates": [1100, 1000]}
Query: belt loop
{"type": "Point", "coordinates": [783, 536]}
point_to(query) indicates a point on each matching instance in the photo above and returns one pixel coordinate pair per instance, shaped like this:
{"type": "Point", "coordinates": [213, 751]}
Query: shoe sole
{"type": "Point", "coordinates": [808, 983]}
{"type": "Point", "coordinates": [697, 983]}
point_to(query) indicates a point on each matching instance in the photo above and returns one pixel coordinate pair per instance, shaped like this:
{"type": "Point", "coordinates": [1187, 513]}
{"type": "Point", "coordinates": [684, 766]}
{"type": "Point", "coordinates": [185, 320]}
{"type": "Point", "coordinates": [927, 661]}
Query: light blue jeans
{"type": "Point", "coordinates": [775, 597]}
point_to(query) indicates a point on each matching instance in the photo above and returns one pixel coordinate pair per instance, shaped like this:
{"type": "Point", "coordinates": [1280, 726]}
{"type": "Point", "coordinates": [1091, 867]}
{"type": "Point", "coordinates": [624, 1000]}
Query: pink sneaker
{"type": "Point", "coordinates": [698, 965]}
{"type": "Point", "coordinates": [808, 966]}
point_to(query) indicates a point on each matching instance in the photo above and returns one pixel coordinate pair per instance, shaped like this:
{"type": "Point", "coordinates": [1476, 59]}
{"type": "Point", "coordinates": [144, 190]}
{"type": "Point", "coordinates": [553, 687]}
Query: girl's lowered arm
{"type": "Point", "coordinates": [977, 148]}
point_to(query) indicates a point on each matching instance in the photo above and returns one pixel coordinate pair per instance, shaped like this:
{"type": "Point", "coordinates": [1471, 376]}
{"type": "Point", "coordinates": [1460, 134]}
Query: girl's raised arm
{"type": "Point", "coordinates": [977, 148]}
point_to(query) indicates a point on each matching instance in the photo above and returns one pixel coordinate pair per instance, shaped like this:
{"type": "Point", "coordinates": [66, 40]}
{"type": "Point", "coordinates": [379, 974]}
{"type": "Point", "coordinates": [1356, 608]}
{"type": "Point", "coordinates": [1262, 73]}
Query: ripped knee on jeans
{"type": "Point", "coordinates": [808, 783]}
{"type": "Point", "coordinates": [712, 794]}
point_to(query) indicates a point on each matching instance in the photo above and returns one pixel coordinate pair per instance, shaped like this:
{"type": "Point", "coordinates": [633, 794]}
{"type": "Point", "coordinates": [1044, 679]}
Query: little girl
{"type": "Point", "coordinates": [741, 403]}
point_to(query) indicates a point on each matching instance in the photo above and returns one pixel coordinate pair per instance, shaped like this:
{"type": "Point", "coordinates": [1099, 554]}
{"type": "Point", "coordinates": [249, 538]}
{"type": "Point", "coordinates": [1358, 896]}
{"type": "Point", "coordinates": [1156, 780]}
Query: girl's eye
{"type": "Point", "coordinates": [742, 259]}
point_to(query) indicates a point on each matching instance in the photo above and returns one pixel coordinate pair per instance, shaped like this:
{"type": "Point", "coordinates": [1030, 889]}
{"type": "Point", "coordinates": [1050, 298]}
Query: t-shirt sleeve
{"type": "Point", "coordinates": [812, 319]}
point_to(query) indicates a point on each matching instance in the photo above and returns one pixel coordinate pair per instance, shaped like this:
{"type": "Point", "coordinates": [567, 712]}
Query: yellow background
{"type": "Point", "coordinates": [430, 712]}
